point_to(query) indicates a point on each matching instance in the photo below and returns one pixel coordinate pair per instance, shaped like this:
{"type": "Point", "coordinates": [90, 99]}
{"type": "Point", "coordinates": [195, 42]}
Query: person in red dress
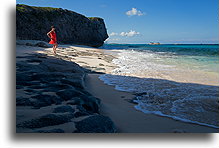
{"type": "Point", "coordinates": [52, 36]}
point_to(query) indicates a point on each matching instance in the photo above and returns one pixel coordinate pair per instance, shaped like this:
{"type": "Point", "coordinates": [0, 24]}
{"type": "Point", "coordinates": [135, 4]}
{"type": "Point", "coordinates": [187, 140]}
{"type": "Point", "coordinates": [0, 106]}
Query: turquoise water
{"type": "Point", "coordinates": [188, 49]}
{"type": "Point", "coordinates": [176, 81]}
{"type": "Point", "coordinates": [203, 57]}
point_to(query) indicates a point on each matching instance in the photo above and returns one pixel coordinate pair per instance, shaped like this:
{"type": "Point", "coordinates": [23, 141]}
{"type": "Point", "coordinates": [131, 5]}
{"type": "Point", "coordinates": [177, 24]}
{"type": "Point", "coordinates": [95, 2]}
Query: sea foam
{"type": "Point", "coordinates": [154, 78]}
{"type": "Point", "coordinates": [186, 102]}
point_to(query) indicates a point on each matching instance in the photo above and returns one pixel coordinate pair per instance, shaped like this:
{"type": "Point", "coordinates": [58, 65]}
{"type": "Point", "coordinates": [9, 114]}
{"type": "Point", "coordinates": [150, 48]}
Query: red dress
{"type": "Point", "coordinates": [53, 38]}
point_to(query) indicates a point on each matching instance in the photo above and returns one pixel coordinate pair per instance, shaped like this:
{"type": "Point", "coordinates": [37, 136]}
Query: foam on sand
{"type": "Point", "coordinates": [183, 87]}
{"type": "Point", "coordinates": [182, 101]}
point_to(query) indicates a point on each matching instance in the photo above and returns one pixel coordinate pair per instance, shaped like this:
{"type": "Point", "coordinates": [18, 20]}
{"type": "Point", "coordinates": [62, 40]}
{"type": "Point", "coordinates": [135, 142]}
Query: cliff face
{"type": "Point", "coordinates": [33, 23]}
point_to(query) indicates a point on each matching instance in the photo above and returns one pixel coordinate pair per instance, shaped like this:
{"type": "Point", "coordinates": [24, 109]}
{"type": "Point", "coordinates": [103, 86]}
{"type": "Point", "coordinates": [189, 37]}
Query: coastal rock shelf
{"type": "Point", "coordinates": [51, 97]}
{"type": "Point", "coordinates": [32, 23]}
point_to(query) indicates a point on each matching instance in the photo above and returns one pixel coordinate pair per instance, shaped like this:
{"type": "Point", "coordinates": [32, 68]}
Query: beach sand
{"type": "Point", "coordinates": [114, 104]}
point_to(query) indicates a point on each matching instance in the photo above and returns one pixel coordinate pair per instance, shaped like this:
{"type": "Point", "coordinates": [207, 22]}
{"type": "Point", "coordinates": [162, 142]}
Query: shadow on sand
{"type": "Point", "coordinates": [52, 138]}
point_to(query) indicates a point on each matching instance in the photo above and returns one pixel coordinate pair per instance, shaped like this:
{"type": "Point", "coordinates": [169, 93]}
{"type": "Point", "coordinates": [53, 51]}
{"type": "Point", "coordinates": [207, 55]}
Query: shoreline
{"type": "Point", "coordinates": [115, 103]}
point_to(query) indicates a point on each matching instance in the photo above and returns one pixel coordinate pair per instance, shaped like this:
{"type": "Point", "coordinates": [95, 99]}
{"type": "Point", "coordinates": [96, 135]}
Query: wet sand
{"type": "Point", "coordinates": [116, 105]}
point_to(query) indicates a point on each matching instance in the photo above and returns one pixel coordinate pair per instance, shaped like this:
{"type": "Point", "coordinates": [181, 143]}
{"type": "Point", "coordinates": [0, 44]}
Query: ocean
{"type": "Point", "coordinates": [175, 81]}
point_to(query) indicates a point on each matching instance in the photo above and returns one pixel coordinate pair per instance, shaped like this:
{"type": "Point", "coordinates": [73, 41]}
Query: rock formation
{"type": "Point", "coordinates": [33, 23]}
{"type": "Point", "coordinates": [51, 98]}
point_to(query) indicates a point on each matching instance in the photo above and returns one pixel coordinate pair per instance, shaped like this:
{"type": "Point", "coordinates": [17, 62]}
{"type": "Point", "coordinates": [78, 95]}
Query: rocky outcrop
{"type": "Point", "coordinates": [32, 23]}
{"type": "Point", "coordinates": [51, 97]}
{"type": "Point", "coordinates": [96, 124]}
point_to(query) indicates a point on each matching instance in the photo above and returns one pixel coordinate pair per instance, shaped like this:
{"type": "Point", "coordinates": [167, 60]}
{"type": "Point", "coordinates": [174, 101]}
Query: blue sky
{"type": "Point", "coordinates": [143, 21]}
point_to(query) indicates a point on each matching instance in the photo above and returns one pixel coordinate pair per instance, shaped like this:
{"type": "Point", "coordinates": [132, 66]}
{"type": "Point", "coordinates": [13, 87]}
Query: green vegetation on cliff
{"type": "Point", "coordinates": [94, 18]}
{"type": "Point", "coordinates": [22, 7]}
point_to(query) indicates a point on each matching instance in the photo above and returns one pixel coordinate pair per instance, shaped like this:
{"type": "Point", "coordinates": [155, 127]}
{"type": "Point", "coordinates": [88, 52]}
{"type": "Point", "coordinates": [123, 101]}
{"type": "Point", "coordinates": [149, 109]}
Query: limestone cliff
{"type": "Point", "coordinates": [32, 23]}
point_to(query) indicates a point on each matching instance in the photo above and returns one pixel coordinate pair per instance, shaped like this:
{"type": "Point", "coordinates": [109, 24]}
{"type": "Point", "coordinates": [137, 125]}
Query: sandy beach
{"type": "Point", "coordinates": [117, 105]}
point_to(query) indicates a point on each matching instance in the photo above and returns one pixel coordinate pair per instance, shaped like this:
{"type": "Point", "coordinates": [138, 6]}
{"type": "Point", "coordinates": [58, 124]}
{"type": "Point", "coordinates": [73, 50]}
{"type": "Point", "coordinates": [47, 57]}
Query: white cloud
{"type": "Point", "coordinates": [116, 39]}
{"type": "Point", "coordinates": [134, 11]}
{"type": "Point", "coordinates": [130, 33]}
{"type": "Point", "coordinates": [113, 34]}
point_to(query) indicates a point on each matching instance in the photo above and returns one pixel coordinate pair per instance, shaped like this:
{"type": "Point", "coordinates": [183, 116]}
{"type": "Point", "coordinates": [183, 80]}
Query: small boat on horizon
{"type": "Point", "coordinates": [153, 43]}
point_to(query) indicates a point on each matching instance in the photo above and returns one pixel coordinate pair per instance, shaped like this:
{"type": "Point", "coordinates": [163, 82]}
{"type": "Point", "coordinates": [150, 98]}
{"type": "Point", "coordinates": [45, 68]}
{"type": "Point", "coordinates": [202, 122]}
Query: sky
{"type": "Point", "coordinates": [144, 21]}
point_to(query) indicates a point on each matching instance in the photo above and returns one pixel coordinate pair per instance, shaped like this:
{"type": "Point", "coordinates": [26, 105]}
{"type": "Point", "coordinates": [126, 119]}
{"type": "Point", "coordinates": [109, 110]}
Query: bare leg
{"type": "Point", "coordinates": [55, 46]}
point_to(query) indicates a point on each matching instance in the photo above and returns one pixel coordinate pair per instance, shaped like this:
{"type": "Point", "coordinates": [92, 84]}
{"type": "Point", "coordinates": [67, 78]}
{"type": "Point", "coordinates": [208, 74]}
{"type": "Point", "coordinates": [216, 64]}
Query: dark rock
{"type": "Point", "coordinates": [25, 80]}
{"type": "Point", "coordinates": [73, 82]}
{"type": "Point", "coordinates": [95, 124]}
{"type": "Point", "coordinates": [22, 76]}
{"type": "Point", "coordinates": [179, 131]}
{"type": "Point", "coordinates": [21, 101]}
{"type": "Point", "coordinates": [91, 107]}
{"type": "Point", "coordinates": [42, 56]}
{"type": "Point", "coordinates": [50, 131]}
{"type": "Point", "coordinates": [34, 61]}
{"type": "Point", "coordinates": [63, 109]}
{"type": "Point", "coordinates": [81, 108]}
{"type": "Point", "coordinates": [29, 44]}
{"type": "Point", "coordinates": [75, 101]}
{"type": "Point", "coordinates": [82, 111]}
{"type": "Point", "coordinates": [46, 120]}
{"type": "Point", "coordinates": [22, 66]}
{"type": "Point", "coordinates": [38, 104]}
{"type": "Point", "coordinates": [32, 86]}
{"type": "Point", "coordinates": [96, 69]}
{"type": "Point", "coordinates": [32, 23]}
{"type": "Point", "coordinates": [19, 86]}
{"type": "Point", "coordinates": [91, 104]}
{"type": "Point", "coordinates": [31, 91]}
{"type": "Point", "coordinates": [45, 100]}
{"type": "Point", "coordinates": [17, 43]}
{"type": "Point", "coordinates": [46, 77]}
{"type": "Point", "coordinates": [85, 92]}
{"type": "Point", "coordinates": [65, 79]}
{"type": "Point", "coordinates": [55, 87]}
{"type": "Point", "coordinates": [78, 114]}
{"type": "Point", "coordinates": [68, 94]}
{"type": "Point", "coordinates": [42, 44]}
{"type": "Point", "coordinates": [57, 65]}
